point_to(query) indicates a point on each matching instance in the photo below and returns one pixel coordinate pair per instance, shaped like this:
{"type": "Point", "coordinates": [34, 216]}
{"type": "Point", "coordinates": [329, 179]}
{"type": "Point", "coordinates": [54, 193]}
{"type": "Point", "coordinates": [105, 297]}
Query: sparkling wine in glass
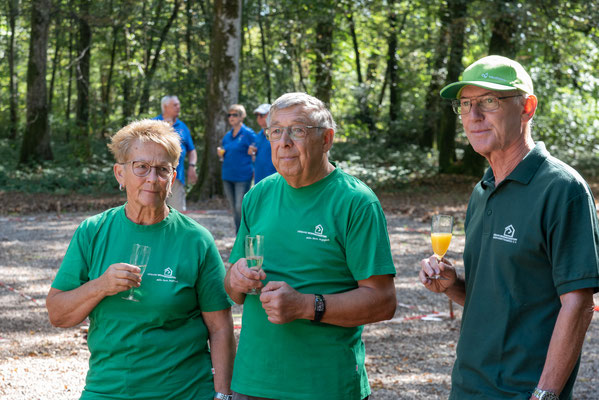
{"type": "Point", "coordinates": [140, 255]}
{"type": "Point", "coordinates": [254, 255]}
{"type": "Point", "coordinates": [441, 232]}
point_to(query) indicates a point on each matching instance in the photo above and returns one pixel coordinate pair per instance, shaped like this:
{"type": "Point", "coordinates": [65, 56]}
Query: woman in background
{"type": "Point", "coordinates": [237, 169]}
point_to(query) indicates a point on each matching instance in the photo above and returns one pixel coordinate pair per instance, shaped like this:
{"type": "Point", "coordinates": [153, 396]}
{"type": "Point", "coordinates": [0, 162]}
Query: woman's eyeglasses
{"type": "Point", "coordinates": [142, 169]}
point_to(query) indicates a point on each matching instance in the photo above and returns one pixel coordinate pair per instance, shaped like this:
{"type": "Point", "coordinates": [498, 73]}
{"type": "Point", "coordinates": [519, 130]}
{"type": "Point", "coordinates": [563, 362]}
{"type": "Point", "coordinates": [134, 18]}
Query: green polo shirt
{"type": "Point", "coordinates": [529, 240]}
{"type": "Point", "coordinates": [322, 238]}
{"type": "Point", "coordinates": [154, 349]}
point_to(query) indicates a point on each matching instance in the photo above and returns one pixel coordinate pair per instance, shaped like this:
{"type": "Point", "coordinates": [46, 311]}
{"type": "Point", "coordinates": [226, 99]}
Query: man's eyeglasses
{"type": "Point", "coordinates": [485, 103]}
{"type": "Point", "coordinates": [296, 132]}
{"type": "Point", "coordinates": [232, 115]}
{"type": "Point", "coordinates": [142, 169]}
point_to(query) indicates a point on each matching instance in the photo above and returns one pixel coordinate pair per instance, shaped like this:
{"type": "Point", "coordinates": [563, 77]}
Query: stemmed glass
{"type": "Point", "coordinates": [254, 255]}
{"type": "Point", "coordinates": [140, 255]}
{"type": "Point", "coordinates": [441, 232]}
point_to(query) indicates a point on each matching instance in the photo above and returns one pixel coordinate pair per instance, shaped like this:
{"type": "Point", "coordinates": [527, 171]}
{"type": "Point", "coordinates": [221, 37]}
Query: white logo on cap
{"type": "Point", "coordinates": [485, 75]}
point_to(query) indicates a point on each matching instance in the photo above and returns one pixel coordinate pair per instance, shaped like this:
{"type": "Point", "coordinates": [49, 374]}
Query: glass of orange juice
{"type": "Point", "coordinates": [441, 231]}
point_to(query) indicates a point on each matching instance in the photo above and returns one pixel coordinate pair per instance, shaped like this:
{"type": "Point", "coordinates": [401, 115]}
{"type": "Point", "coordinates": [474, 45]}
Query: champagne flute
{"type": "Point", "coordinates": [254, 255]}
{"type": "Point", "coordinates": [221, 153]}
{"type": "Point", "coordinates": [441, 232]}
{"type": "Point", "coordinates": [140, 255]}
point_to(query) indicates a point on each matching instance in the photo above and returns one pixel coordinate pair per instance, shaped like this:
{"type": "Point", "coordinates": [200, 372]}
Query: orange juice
{"type": "Point", "coordinates": [440, 243]}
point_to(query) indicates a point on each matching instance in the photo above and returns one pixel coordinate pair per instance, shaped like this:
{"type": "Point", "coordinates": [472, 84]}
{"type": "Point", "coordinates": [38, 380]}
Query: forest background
{"type": "Point", "coordinates": [73, 72]}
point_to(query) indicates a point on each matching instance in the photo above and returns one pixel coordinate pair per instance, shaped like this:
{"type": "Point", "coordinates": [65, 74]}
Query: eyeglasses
{"type": "Point", "coordinates": [142, 169]}
{"type": "Point", "coordinates": [232, 115]}
{"type": "Point", "coordinates": [296, 132]}
{"type": "Point", "coordinates": [485, 103]}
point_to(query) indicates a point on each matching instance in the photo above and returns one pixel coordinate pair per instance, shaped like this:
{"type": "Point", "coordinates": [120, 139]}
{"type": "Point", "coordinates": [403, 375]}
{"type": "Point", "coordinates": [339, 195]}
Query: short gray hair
{"type": "Point", "coordinates": [144, 131]}
{"type": "Point", "coordinates": [315, 109]}
{"type": "Point", "coordinates": [165, 100]}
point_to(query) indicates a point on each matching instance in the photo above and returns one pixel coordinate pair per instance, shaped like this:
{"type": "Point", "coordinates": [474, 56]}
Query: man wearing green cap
{"type": "Point", "coordinates": [531, 254]}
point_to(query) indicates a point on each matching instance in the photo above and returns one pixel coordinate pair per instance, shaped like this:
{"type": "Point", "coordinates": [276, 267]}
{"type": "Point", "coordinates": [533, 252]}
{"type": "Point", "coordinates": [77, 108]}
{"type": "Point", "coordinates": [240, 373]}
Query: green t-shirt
{"type": "Point", "coordinates": [322, 238]}
{"type": "Point", "coordinates": [529, 240]}
{"type": "Point", "coordinates": [155, 348]}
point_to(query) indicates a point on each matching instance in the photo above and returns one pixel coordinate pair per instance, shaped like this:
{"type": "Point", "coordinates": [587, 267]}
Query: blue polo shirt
{"type": "Point", "coordinates": [186, 145]}
{"type": "Point", "coordinates": [237, 163]}
{"type": "Point", "coordinates": [529, 239]}
{"type": "Point", "coordinates": [263, 164]}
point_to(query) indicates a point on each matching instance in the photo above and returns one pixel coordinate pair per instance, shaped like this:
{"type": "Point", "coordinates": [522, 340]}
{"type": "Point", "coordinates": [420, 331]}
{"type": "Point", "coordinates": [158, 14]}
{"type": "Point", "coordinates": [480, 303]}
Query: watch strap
{"type": "Point", "coordinates": [319, 307]}
{"type": "Point", "coordinates": [222, 396]}
{"type": "Point", "coordinates": [544, 394]}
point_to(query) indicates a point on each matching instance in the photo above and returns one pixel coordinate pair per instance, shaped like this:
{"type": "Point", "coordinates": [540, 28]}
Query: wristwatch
{"type": "Point", "coordinates": [192, 165]}
{"type": "Point", "coordinates": [222, 396]}
{"type": "Point", "coordinates": [319, 307]}
{"type": "Point", "coordinates": [544, 394]}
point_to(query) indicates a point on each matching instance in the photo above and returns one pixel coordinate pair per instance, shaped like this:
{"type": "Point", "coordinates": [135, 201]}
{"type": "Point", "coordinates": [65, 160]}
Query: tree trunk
{"type": "Point", "coordinates": [393, 79]}
{"type": "Point", "coordinates": [362, 94]}
{"type": "Point", "coordinates": [153, 61]}
{"type": "Point", "coordinates": [82, 75]}
{"type": "Point", "coordinates": [223, 89]}
{"type": "Point", "coordinates": [69, 88]}
{"type": "Point", "coordinates": [323, 51]}
{"type": "Point", "coordinates": [446, 140]}
{"type": "Point", "coordinates": [55, 60]}
{"type": "Point", "coordinates": [433, 102]}
{"type": "Point", "coordinates": [108, 86]}
{"type": "Point", "coordinates": [354, 37]}
{"type": "Point", "coordinates": [36, 141]}
{"type": "Point", "coordinates": [265, 62]}
{"type": "Point", "coordinates": [502, 43]}
{"type": "Point", "coordinates": [504, 30]}
{"type": "Point", "coordinates": [13, 12]}
{"type": "Point", "coordinates": [128, 105]}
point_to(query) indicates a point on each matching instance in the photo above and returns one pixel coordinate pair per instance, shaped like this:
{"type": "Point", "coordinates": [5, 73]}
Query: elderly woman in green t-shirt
{"type": "Point", "coordinates": [157, 346]}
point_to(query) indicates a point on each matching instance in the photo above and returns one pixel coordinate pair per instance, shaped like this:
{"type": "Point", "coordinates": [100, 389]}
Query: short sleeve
{"type": "Point", "coordinates": [238, 250]}
{"type": "Point", "coordinates": [574, 244]}
{"type": "Point", "coordinates": [367, 245]}
{"type": "Point", "coordinates": [74, 269]}
{"type": "Point", "coordinates": [210, 286]}
{"type": "Point", "coordinates": [187, 139]}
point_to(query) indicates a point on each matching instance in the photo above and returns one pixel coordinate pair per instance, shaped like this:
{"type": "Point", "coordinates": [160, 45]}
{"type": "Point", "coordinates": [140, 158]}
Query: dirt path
{"type": "Point", "coordinates": [407, 357]}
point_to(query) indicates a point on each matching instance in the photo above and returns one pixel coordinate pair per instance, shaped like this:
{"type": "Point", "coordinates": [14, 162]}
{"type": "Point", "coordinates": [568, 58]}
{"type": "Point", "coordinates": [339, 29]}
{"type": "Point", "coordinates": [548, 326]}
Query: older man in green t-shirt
{"type": "Point", "coordinates": [531, 249]}
{"type": "Point", "coordinates": [327, 267]}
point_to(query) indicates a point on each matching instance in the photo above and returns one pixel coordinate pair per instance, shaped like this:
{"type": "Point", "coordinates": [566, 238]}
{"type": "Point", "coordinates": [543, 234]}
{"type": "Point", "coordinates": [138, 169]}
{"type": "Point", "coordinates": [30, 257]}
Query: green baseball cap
{"type": "Point", "coordinates": [494, 73]}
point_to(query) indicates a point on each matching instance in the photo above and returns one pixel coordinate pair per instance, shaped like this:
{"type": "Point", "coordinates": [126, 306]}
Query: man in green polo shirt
{"type": "Point", "coordinates": [530, 258]}
{"type": "Point", "coordinates": [327, 267]}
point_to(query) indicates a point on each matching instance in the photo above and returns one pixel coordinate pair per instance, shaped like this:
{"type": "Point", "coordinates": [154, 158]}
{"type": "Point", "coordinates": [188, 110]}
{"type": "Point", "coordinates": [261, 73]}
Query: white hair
{"type": "Point", "coordinates": [315, 109]}
{"type": "Point", "coordinates": [165, 100]}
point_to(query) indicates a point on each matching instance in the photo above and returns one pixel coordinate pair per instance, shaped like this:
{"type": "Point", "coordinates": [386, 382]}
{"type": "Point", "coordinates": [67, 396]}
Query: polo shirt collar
{"type": "Point", "coordinates": [524, 171]}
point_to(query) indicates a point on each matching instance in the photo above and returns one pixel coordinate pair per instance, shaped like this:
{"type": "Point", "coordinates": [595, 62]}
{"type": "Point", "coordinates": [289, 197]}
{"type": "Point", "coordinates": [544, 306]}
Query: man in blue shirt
{"type": "Point", "coordinates": [170, 111]}
{"type": "Point", "coordinates": [261, 149]}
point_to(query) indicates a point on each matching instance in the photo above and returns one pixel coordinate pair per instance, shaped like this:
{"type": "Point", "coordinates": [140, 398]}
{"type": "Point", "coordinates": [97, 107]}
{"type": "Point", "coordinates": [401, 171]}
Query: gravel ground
{"type": "Point", "coordinates": [408, 357]}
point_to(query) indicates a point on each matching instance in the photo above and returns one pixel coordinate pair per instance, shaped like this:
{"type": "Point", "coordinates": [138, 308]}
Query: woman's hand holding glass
{"type": "Point", "coordinates": [119, 277]}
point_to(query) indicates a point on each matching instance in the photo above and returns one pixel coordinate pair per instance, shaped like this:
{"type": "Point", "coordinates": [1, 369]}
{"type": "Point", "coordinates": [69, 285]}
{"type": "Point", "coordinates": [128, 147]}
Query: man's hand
{"type": "Point", "coordinates": [192, 176]}
{"type": "Point", "coordinates": [252, 149]}
{"type": "Point", "coordinates": [430, 267]}
{"type": "Point", "coordinates": [118, 278]}
{"type": "Point", "coordinates": [284, 304]}
{"type": "Point", "coordinates": [242, 279]}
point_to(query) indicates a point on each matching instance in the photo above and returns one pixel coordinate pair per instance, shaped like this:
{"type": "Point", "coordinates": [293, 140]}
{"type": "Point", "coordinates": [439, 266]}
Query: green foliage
{"type": "Point", "coordinates": [381, 166]}
{"type": "Point", "coordinates": [67, 174]}
{"type": "Point", "coordinates": [557, 42]}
